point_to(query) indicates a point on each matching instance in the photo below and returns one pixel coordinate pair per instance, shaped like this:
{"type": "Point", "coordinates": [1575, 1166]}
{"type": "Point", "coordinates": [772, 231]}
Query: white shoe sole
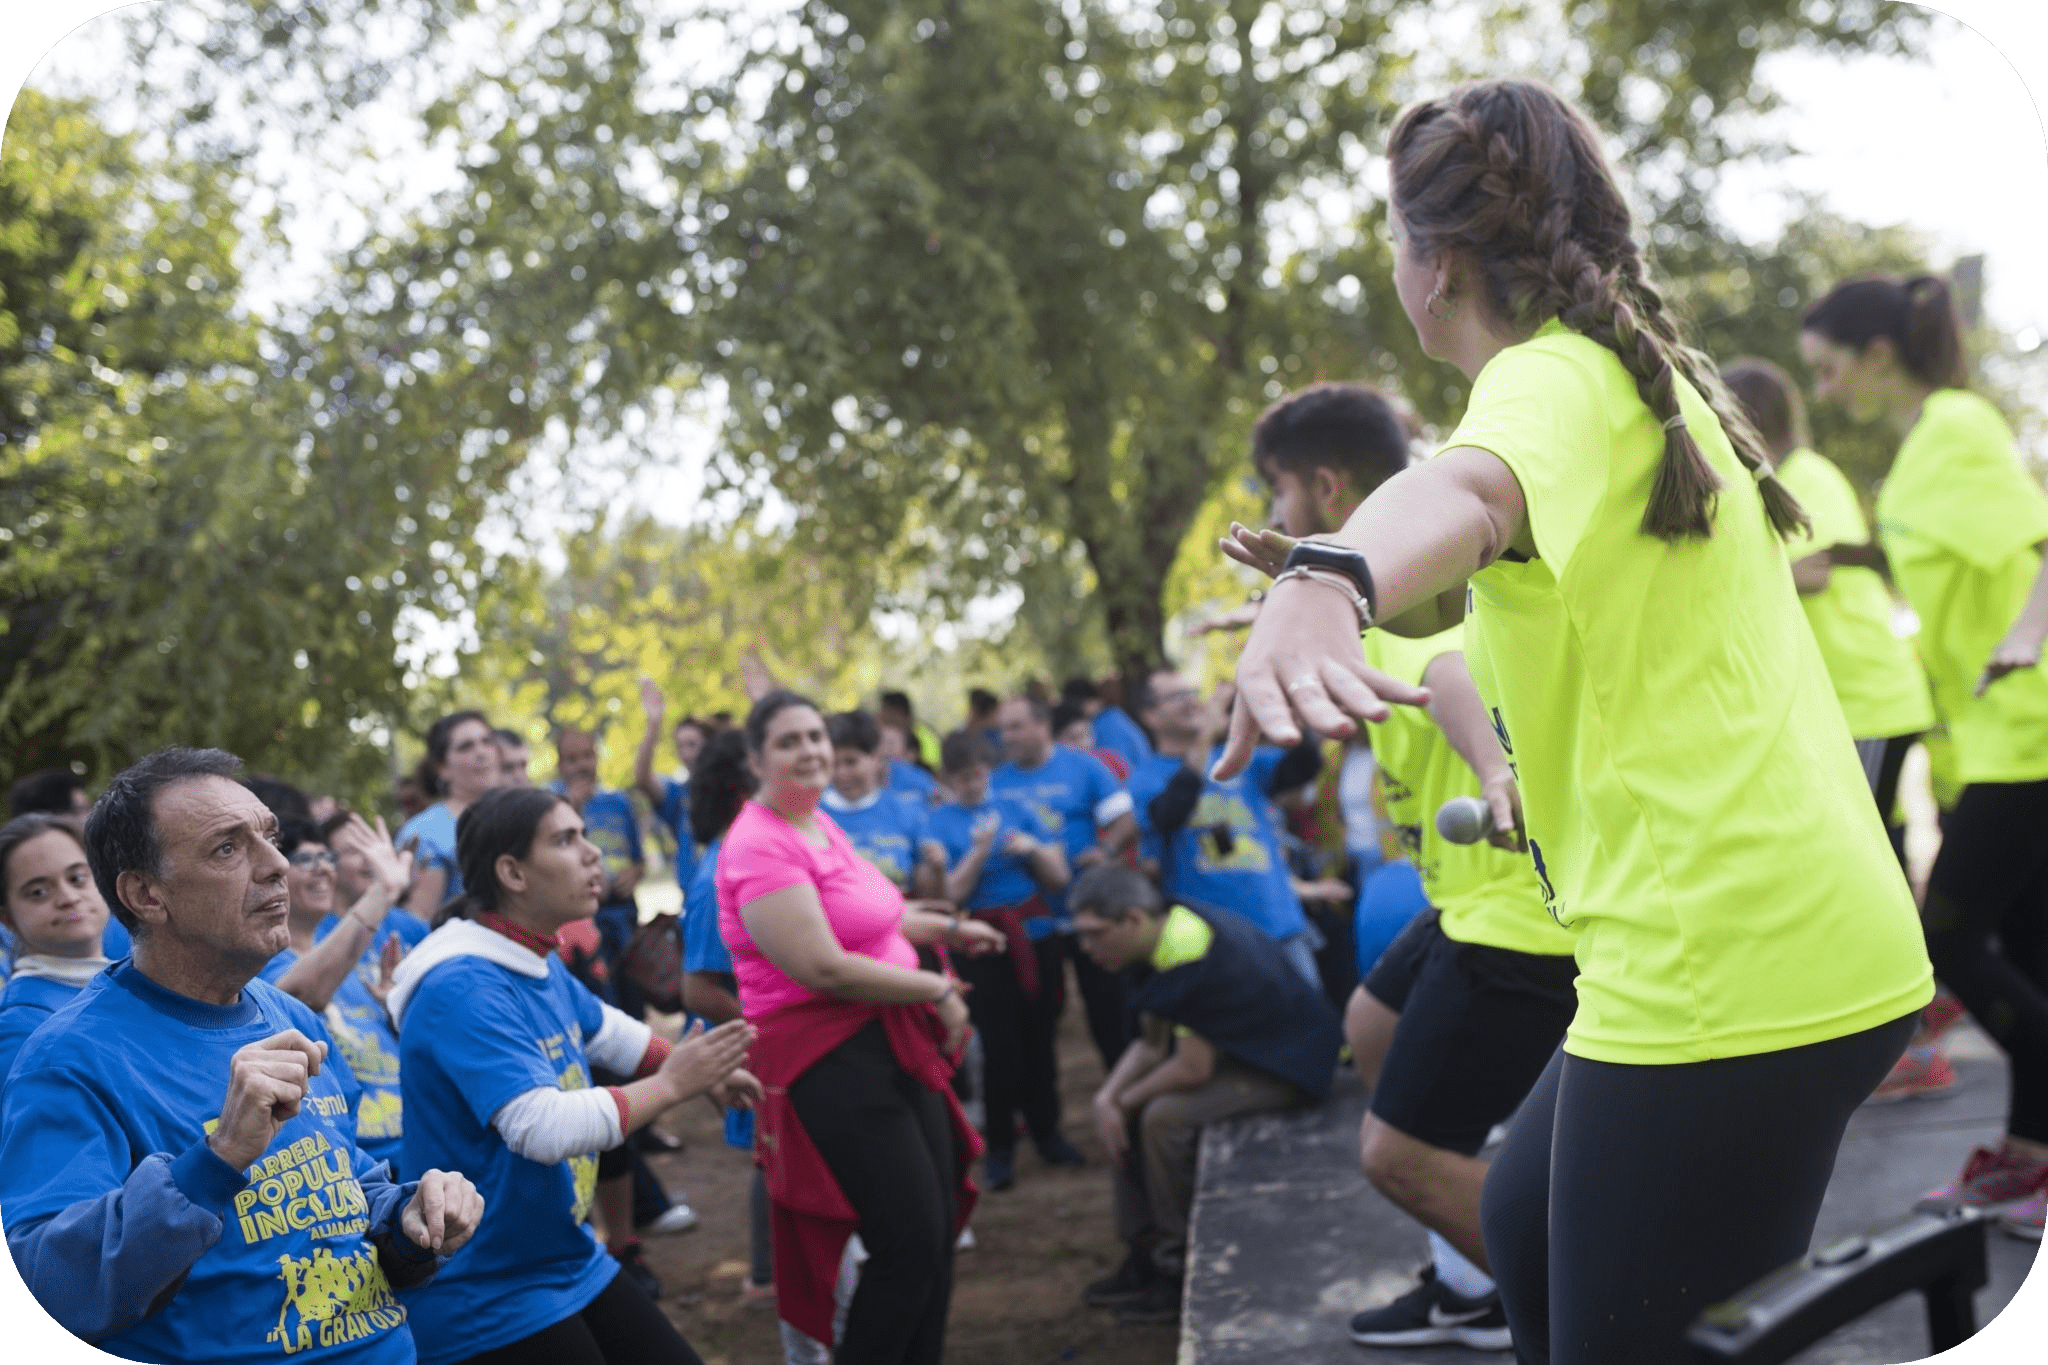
{"type": "Point", "coordinates": [1474, 1338]}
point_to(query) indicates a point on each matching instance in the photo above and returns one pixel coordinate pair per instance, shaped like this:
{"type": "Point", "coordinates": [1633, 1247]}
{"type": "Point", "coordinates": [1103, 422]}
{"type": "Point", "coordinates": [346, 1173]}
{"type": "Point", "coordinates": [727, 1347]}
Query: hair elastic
{"type": "Point", "coordinates": [1764, 470]}
{"type": "Point", "coordinates": [1676, 422]}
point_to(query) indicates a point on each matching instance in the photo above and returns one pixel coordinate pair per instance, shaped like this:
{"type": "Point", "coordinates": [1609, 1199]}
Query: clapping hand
{"type": "Point", "coordinates": [702, 1060]}
{"type": "Point", "coordinates": [390, 868]}
{"type": "Point", "coordinates": [986, 827]}
{"type": "Point", "coordinates": [740, 1090]}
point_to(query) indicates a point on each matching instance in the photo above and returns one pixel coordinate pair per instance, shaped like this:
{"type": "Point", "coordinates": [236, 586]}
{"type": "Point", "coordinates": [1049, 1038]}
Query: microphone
{"type": "Point", "coordinates": [1464, 820]}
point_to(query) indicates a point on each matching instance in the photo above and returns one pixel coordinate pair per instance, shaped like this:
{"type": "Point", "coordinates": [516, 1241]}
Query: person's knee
{"type": "Point", "coordinates": [1397, 1165]}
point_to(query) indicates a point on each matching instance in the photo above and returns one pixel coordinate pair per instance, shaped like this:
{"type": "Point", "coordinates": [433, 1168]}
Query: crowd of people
{"type": "Point", "coordinates": [278, 1080]}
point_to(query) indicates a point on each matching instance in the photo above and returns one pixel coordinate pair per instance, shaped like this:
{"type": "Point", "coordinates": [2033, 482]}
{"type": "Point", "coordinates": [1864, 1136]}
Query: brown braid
{"type": "Point", "coordinates": [1513, 176]}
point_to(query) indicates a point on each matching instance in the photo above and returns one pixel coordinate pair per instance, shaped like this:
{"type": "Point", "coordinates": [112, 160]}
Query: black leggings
{"type": "Point", "coordinates": [888, 1142]}
{"type": "Point", "coordinates": [621, 1326]}
{"type": "Point", "coordinates": [1629, 1198]}
{"type": "Point", "coordinates": [1987, 931]}
{"type": "Point", "coordinates": [1019, 1067]}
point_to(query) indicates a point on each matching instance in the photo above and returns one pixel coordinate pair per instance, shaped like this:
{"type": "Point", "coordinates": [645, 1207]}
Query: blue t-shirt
{"type": "Point", "coordinates": [115, 942]}
{"type": "Point", "coordinates": [476, 1036]}
{"type": "Point", "coordinates": [1118, 733]}
{"type": "Point", "coordinates": [431, 835]}
{"type": "Point", "coordinates": [368, 1046]}
{"type": "Point", "coordinates": [673, 811]}
{"type": "Point", "coordinates": [128, 1070]}
{"type": "Point", "coordinates": [703, 946]}
{"type": "Point", "coordinates": [25, 1002]}
{"type": "Point", "coordinates": [884, 830]}
{"type": "Point", "coordinates": [1251, 878]}
{"type": "Point", "coordinates": [913, 784]}
{"type": "Point", "coordinates": [1004, 880]}
{"type": "Point", "coordinates": [1072, 794]}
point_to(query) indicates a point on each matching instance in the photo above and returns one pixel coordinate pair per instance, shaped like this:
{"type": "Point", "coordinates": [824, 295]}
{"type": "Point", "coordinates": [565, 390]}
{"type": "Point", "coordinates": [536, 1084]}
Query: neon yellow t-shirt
{"type": "Point", "coordinates": [1483, 894]}
{"type": "Point", "coordinates": [1877, 677]}
{"type": "Point", "coordinates": [1695, 807]}
{"type": "Point", "coordinates": [1960, 518]}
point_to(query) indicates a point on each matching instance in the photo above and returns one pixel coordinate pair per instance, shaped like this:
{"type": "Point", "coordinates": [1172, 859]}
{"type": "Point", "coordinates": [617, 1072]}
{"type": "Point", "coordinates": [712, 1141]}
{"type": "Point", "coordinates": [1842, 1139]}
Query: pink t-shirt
{"type": "Point", "coordinates": [764, 853]}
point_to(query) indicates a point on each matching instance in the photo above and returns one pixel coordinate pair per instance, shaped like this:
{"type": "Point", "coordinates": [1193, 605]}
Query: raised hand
{"type": "Point", "coordinates": [266, 1081]}
{"type": "Point", "coordinates": [390, 868]}
{"type": "Point", "coordinates": [387, 967]}
{"type": "Point", "coordinates": [442, 1213]}
{"type": "Point", "coordinates": [1265, 550]}
{"type": "Point", "coordinates": [702, 1060]}
{"type": "Point", "coordinates": [653, 703]}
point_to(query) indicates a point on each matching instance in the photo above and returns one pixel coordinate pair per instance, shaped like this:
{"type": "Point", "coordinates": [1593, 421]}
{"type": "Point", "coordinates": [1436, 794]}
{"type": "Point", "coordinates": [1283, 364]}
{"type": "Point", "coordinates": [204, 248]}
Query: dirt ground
{"type": "Point", "coordinates": [1017, 1294]}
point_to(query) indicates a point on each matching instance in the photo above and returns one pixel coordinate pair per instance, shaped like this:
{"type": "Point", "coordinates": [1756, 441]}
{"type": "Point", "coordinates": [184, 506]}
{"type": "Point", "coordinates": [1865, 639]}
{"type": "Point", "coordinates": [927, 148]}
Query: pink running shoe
{"type": "Point", "coordinates": [1940, 1016]}
{"type": "Point", "coordinates": [1991, 1178]}
{"type": "Point", "coordinates": [1912, 1079]}
{"type": "Point", "coordinates": [2026, 1218]}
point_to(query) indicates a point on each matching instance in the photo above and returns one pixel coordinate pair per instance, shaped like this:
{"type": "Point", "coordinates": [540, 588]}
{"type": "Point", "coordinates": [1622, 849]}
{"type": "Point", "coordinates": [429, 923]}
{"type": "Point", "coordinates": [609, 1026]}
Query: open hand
{"type": "Point", "coordinates": [443, 1212]}
{"type": "Point", "coordinates": [740, 1090]}
{"type": "Point", "coordinates": [653, 703]}
{"type": "Point", "coordinates": [977, 938]}
{"type": "Point", "coordinates": [387, 967]}
{"type": "Point", "coordinates": [390, 868]}
{"type": "Point", "coordinates": [1302, 667]}
{"type": "Point", "coordinates": [986, 828]}
{"type": "Point", "coordinates": [1264, 550]}
{"type": "Point", "coordinates": [701, 1060]}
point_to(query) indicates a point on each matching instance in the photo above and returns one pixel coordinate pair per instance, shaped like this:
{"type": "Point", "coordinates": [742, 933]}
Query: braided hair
{"type": "Point", "coordinates": [1511, 175]}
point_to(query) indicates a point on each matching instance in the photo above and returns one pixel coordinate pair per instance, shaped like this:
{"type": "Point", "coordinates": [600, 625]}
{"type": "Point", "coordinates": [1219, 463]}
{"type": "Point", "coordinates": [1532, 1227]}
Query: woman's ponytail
{"type": "Point", "coordinates": [1931, 336]}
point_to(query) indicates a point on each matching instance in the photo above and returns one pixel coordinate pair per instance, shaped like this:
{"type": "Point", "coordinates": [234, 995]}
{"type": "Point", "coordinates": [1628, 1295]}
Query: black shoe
{"type": "Point", "coordinates": [1057, 1151]}
{"type": "Point", "coordinates": [999, 1169]}
{"type": "Point", "coordinates": [635, 1269]}
{"type": "Point", "coordinates": [1431, 1315]}
{"type": "Point", "coordinates": [1128, 1283]}
{"type": "Point", "coordinates": [1159, 1302]}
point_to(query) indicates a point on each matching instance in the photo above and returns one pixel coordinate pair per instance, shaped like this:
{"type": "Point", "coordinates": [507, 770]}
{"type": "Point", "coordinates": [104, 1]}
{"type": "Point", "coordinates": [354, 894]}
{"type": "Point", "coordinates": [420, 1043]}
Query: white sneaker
{"type": "Point", "coordinates": [678, 1218]}
{"type": "Point", "coordinates": [965, 1241]}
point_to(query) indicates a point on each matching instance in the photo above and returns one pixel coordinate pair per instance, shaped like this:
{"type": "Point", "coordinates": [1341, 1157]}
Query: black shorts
{"type": "Point", "coordinates": [1477, 1027]}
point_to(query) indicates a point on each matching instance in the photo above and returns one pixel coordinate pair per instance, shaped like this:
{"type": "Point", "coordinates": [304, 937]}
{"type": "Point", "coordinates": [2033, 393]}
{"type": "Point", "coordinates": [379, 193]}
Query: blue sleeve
{"type": "Point", "coordinates": [101, 1245]}
{"type": "Point", "coordinates": [703, 948]}
{"type": "Point", "coordinates": [463, 1018]}
{"type": "Point", "coordinates": [589, 1009]}
{"type": "Point", "coordinates": [674, 810]}
{"type": "Point", "coordinates": [630, 818]}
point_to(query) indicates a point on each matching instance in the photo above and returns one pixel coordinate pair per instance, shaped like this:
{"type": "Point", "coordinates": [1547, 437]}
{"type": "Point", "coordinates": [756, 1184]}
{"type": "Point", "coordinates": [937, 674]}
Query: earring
{"type": "Point", "coordinates": [1436, 296]}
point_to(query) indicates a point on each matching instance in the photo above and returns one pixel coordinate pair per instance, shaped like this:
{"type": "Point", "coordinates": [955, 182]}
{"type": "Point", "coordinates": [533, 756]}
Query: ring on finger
{"type": "Point", "coordinates": [1298, 684]}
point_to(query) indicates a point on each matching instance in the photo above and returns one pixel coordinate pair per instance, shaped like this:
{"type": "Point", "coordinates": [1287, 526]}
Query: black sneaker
{"type": "Point", "coordinates": [999, 1169]}
{"type": "Point", "coordinates": [1129, 1282]}
{"type": "Point", "coordinates": [1159, 1301]}
{"type": "Point", "coordinates": [1431, 1315]}
{"type": "Point", "coordinates": [1057, 1151]}
{"type": "Point", "coordinates": [635, 1269]}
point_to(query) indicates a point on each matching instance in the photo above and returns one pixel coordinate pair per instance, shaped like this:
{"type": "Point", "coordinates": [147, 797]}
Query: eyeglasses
{"type": "Point", "coordinates": [305, 858]}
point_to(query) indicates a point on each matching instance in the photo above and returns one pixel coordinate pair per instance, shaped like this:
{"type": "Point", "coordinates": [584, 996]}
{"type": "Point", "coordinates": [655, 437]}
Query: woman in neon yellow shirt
{"type": "Point", "coordinates": [1749, 960]}
{"type": "Point", "coordinates": [1964, 526]}
{"type": "Point", "coordinates": [1876, 676]}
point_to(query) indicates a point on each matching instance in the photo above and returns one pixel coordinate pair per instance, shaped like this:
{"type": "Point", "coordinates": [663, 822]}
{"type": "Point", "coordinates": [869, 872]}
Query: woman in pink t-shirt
{"type": "Point", "coordinates": [860, 1130]}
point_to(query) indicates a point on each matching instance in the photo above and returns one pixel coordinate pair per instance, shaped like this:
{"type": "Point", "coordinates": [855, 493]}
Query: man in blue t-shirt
{"type": "Point", "coordinates": [1113, 729]}
{"type": "Point", "coordinates": [670, 796]}
{"type": "Point", "coordinates": [178, 1173]}
{"type": "Point", "coordinates": [1079, 802]}
{"type": "Point", "coordinates": [887, 831]}
{"type": "Point", "coordinates": [1213, 843]}
{"type": "Point", "coordinates": [999, 861]}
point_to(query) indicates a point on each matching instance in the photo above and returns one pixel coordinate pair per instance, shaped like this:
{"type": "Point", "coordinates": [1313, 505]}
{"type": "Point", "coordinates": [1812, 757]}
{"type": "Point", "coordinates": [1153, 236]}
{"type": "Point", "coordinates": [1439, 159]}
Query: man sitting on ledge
{"type": "Point", "coordinates": [178, 1167]}
{"type": "Point", "coordinates": [1229, 1027]}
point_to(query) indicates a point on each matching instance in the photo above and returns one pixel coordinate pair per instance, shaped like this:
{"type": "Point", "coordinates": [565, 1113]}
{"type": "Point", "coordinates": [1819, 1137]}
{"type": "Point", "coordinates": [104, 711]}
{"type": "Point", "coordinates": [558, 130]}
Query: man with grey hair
{"type": "Point", "coordinates": [178, 1168]}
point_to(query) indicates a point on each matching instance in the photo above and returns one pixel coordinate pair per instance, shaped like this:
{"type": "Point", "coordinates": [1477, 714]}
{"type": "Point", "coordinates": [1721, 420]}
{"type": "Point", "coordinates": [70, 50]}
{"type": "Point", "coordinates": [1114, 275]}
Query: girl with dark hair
{"type": "Point", "coordinates": [496, 1045]}
{"type": "Point", "coordinates": [462, 762]}
{"type": "Point", "coordinates": [1749, 961]}
{"type": "Point", "coordinates": [50, 903]}
{"type": "Point", "coordinates": [1964, 527]}
{"type": "Point", "coordinates": [860, 1131]}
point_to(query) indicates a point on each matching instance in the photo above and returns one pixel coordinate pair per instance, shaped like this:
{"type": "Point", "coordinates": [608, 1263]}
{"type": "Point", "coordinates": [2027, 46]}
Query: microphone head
{"type": "Point", "coordinates": [1464, 820]}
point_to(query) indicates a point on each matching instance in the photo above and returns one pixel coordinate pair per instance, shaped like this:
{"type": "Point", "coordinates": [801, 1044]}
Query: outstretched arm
{"type": "Point", "coordinates": [1422, 532]}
